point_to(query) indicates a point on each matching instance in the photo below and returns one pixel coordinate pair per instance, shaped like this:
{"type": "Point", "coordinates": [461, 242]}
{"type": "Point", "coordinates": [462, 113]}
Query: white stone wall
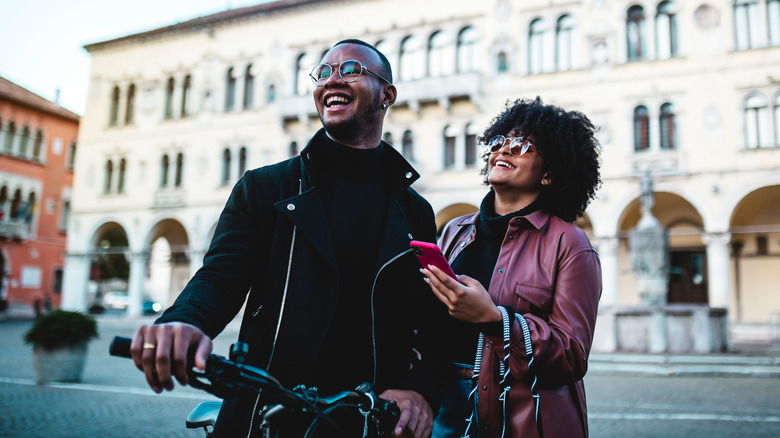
{"type": "Point", "coordinates": [708, 181]}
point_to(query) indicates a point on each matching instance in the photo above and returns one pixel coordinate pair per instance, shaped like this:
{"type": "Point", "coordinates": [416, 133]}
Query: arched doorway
{"type": "Point", "coordinates": [755, 230]}
{"type": "Point", "coordinates": [109, 269]}
{"type": "Point", "coordinates": [3, 290]}
{"type": "Point", "coordinates": [586, 225]}
{"type": "Point", "coordinates": [169, 262]}
{"type": "Point", "coordinates": [687, 252]}
{"type": "Point", "coordinates": [451, 212]}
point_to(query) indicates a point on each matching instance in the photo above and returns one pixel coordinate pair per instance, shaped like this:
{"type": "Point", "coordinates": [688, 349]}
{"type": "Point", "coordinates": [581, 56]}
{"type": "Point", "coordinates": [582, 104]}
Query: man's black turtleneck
{"type": "Point", "coordinates": [351, 185]}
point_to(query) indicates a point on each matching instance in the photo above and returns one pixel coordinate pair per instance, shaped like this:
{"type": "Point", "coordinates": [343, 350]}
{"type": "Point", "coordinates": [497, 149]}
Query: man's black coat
{"type": "Point", "coordinates": [273, 241]}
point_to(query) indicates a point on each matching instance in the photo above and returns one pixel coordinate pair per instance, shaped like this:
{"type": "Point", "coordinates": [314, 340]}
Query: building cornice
{"type": "Point", "coordinates": [206, 22]}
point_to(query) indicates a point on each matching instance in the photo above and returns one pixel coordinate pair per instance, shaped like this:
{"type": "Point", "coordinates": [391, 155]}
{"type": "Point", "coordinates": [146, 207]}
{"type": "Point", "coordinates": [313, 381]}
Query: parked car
{"type": "Point", "coordinates": [116, 299]}
{"type": "Point", "coordinates": [151, 307]}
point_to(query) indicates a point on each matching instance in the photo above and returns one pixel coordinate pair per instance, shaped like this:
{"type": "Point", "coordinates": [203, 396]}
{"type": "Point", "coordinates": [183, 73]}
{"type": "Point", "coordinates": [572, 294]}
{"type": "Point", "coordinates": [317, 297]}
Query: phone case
{"type": "Point", "coordinates": [430, 254]}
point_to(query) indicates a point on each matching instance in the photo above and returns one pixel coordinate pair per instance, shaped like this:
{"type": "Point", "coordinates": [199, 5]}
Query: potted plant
{"type": "Point", "coordinates": [59, 341]}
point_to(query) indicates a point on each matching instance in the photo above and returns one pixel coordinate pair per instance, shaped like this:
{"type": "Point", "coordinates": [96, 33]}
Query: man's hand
{"type": "Point", "coordinates": [161, 348]}
{"type": "Point", "coordinates": [416, 418]}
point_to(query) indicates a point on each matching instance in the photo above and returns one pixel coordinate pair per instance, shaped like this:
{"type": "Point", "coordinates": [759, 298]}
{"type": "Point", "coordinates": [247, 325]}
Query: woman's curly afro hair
{"type": "Point", "coordinates": [569, 149]}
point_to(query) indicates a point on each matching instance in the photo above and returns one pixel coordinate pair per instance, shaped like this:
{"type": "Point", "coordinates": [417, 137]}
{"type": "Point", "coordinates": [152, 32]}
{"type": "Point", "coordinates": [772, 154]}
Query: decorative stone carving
{"type": "Point", "coordinates": [650, 251]}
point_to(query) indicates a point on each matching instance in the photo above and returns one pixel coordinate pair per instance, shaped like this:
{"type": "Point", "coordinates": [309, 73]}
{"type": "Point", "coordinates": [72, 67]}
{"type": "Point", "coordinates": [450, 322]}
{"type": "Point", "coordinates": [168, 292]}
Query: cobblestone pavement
{"type": "Point", "coordinates": [114, 401]}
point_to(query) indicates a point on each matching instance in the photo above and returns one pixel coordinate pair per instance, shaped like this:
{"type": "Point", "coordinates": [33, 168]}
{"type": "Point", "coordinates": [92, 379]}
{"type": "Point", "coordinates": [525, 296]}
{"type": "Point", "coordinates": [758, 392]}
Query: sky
{"type": "Point", "coordinates": [43, 40]}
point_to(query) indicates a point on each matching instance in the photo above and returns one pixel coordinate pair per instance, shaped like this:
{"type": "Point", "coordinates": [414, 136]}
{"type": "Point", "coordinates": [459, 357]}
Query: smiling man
{"type": "Point", "coordinates": [320, 243]}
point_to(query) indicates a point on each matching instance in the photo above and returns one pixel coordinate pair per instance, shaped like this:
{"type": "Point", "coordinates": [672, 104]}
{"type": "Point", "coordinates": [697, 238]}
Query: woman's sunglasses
{"type": "Point", "coordinates": [517, 147]}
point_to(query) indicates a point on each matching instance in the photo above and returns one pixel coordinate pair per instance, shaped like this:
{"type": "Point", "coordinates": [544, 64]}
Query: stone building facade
{"type": "Point", "coordinates": [686, 90]}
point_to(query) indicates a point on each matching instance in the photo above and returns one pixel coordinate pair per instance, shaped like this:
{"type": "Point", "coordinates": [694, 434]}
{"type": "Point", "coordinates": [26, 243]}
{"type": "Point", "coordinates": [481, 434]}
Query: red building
{"type": "Point", "coordinates": [37, 148]}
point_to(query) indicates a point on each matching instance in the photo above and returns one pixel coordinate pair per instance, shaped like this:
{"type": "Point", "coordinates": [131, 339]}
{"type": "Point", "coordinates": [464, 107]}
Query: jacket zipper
{"type": "Point", "coordinates": [279, 322]}
{"type": "Point", "coordinates": [373, 319]}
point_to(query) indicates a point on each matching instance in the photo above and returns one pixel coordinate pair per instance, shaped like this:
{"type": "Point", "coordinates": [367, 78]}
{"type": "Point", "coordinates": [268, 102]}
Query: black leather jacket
{"type": "Point", "coordinates": [273, 242]}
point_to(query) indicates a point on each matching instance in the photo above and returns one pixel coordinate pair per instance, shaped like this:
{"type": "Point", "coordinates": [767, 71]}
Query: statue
{"type": "Point", "coordinates": [649, 247]}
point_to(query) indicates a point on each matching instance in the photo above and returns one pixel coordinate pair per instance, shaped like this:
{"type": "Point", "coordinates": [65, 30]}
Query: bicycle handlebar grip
{"type": "Point", "coordinates": [120, 347]}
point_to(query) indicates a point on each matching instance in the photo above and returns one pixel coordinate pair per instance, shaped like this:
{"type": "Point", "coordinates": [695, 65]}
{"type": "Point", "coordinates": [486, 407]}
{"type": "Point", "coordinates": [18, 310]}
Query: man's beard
{"type": "Point", "coordinates": [347, 129]}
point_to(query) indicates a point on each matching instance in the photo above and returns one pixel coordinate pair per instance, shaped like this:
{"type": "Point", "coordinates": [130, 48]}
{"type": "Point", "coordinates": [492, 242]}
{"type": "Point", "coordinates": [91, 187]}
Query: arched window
{"type": "Point", "coordinates": [776, 119]}
{"type": "Point", "coordinates": [502, 65]}
{"type": "Point", "coordinates": [536, 46]}
{"type": "Point", "coordinates": [16, 203]}
{"type": "Point", "coordinates": [3, 200]}
{"type": "Point", "coordinates": [249, 88]}
{"type": "Point", "coordinates": [668, 127]}
{"type": "Point", "coordinates": [746, 24]}
{"type": "Point", "coordinates": [71, 155]}
{"type": "Point", "coordinates": [185, 93]}
{"type": "Point", "coordinates": [471, 145]}
{"type": "Point", "coordinates": [241, 162]}
{"type": "Point", "coordinates": [387, 137]}
{"type": "Point", "coordinates": [467, 50]}
{"type": "Point", "coordinates": [294, 148]}
{"type": "Point", "coordinates": [635, 33]}
{"type": "Point", "coordinates": [164, 166]}
{"type": "Point", "coordinates": [564, 42]}
{"type": "Point", "coordinates": [756, 122]}
{"type": "Point", "coordinates": [64, 215]}
{"type": "Point", "coordinates": [27, 212]}
{"type": "Point", "coordinates": [773, 22]}
{"type": "Point", "coordinates": [24, 140]}
{"type": "Point", "coordinates": [38, 145]}
{"type": "Point", "coordinates": [407, 145]}
{"type": "Point", "coordinates": [230, 89]}
{"type": "Point", "coordinates": [130, 104]}
{"type": "Point", "coordinates": [437, 53]}
{"type": "Point", "coordinates": [666, 30]}
{"type": "Point", "coordinates": [113, 115]}
{"type": "Point", "coordinates": [226, 158]}
{"type": "Point", "coordinates": [304, 66]}
{"type": "Point", "coordinates": [109, 176]}
{"type": "Point", "coordinates": [641, 129]}
{"type": "Point", "coordinates": [411, 59]}
{"type": "Point", "coordinates": [270, 94]}
{"type": "Point", "coordinates": [171, 84]}
{"type": "Point", "coordinates": [120, 183]}
{"type": "Point", "coordinates": [179, 170]}
{"type": "Point", "coordinates": [389, 51]}
{"type": "Point", "coordinates": [10, 133]}
{"type": "Point", "coordinates": [449, 147]}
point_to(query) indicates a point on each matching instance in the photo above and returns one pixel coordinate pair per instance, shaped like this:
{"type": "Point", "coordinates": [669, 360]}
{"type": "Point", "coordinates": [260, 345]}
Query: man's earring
{"type": "Point", "coordinates": [384, 106]}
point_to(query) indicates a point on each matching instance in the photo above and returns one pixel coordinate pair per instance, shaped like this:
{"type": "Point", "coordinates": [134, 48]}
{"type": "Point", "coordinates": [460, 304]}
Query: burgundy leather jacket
{"type": "Point", "coordinates": [548, 272]}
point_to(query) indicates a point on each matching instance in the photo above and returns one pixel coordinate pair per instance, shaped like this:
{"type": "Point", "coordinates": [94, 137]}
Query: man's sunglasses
{"type": "Point", "coordinates": [349, 71]}
{"type": "Point", "coordinates": [517, 147]}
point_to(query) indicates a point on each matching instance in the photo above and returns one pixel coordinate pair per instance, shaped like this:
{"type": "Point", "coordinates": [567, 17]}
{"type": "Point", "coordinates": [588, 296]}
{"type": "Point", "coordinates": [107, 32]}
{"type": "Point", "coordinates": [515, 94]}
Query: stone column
{"type": "Point", "coordinates": [718, 272]}
{"type": "Point", "coordinates": [135, 283]}
{"type": "Point", "coordinates": [605, 335]}
{"type": "Point", "coordinates": [608, 248]}
{"type": "Point", "coordinates": [196, 260]}
{"type": "Point", "coordinates": [74, 285]}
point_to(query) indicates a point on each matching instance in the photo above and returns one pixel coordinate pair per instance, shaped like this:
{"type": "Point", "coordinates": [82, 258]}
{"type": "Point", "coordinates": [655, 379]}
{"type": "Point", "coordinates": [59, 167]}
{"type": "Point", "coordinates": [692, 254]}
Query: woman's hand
{"type": "Point", "coordinates": [465, 298]}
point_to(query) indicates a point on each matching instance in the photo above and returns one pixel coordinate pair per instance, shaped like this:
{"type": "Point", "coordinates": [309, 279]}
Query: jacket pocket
{"type": "Point", "coordinates": [539, 298]}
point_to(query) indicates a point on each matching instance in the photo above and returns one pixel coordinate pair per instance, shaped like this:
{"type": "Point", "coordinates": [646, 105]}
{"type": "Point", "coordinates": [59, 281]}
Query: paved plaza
{"type": "Point", "coordinates": [628, 395]}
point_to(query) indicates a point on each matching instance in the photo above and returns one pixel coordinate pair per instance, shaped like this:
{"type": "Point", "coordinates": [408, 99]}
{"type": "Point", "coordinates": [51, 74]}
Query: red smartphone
{"type": "Point", "coordinates": [430, 254]}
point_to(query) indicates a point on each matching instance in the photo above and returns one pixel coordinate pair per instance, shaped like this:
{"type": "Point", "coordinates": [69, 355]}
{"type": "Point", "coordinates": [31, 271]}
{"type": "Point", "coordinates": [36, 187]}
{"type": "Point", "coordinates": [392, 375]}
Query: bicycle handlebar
{"type": "Point", "coordinates": [223, 377]}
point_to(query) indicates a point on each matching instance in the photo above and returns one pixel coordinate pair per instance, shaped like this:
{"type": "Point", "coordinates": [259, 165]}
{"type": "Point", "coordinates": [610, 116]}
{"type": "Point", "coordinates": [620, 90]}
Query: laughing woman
{"type": "Point", "coordinates": [528, 284]}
